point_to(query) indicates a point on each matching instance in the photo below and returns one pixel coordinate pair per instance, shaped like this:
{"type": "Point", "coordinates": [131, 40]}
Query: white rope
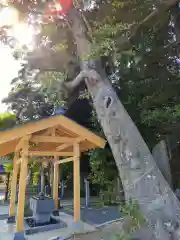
{"type": "Point", "coordinates": [109, 222]}
{"type": "Point", "coordinates": [140, 178]}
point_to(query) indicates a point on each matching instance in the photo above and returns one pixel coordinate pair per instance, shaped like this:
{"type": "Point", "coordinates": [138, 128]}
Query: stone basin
{"type": "Point", "coordinates": [42, 208]}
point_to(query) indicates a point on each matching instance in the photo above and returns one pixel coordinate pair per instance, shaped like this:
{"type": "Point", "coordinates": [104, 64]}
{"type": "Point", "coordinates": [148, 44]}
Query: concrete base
{"type": "Point", "coordinates": [39, 229]}
{"type": "Point", "coordinates": [19, 236]}
{"type": "Point", "coordinates": [78, 227]}
{"type": "Point", "coordinates": [11, 219]}
{"type": "Point", "coordinates": [56, 213]}
{"type": "Point", "coordinates": [41, 217]}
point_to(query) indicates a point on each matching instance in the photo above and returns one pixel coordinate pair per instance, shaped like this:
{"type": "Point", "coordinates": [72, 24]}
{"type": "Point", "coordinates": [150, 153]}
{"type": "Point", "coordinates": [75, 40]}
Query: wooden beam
{"type": "Point", "coordinates": [20, 145]}
{"type": "Point", "coordinates": [81, 131]}
{"type": "Point", "coordinates": [56, 184]}
{"type": "Point", "coordinates": [53, 131]}
{"type": "Point", "coordinates": [43, 153]}
{"type": "Point", "coordinates": [11, 137]}
{"type": "Point", "coordinates": [48, 132]}
{"type": "Point", "coordinates": [63, 146]}
{"type": "Point", "coordinates": [28, 128]}
{"type": "Point", "coordinates": [76, 171]}
{"type": "Point", "coordinates": [41, 160]}
{"type": "Point", "coordinates": [18, 161]}
{"type": "Point", "coordinates": [80, 139]}
{"type": "Point", "coordinates": [8, 147]}
{"type": "Point", "coordinates": [52, 139]}
{"type": "Point", "coordinates": [22, 188]}
{"type": "Point", "coordinates": [13, 186]}
{"type": "Point", "coordinates": [64, 160]}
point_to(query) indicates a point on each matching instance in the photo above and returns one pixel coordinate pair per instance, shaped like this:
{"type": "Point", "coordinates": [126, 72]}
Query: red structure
{"type": "Point", "coordinates": [66, 5]}
{"type": "Point", "coordinates": [59, 7]}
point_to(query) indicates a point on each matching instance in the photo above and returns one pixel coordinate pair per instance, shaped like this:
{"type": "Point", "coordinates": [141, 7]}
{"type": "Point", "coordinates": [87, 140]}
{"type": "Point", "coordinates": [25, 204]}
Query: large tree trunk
{"type": "Point", "coordinates": [139, 173]}
{"type": "Point", "coordinates": [160, 155]}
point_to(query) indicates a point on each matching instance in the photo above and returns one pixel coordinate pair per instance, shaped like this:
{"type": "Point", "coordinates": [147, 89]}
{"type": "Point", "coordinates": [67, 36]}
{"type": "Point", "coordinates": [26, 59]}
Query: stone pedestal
{"type": "Point", "coordinates": [77, 227]}
{"type": "Point", "coordinates": [42, 208]}
{"type": "Point", "coordinates": [11, 219]}
{"type": "Point", "coordinates": [19, 236]}
{"type": "Point", "coordinates": [56, 213]}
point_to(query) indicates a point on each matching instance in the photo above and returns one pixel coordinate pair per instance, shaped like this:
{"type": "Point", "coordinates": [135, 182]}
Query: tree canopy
{"type": "Point", "coordinates": [139, 45]}
{"type": "Point", "coordinates": [138, 42]}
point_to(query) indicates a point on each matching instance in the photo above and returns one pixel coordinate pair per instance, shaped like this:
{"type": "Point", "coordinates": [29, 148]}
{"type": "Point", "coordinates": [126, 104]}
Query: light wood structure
{"type": "Point", "coordinates": [56, 137]}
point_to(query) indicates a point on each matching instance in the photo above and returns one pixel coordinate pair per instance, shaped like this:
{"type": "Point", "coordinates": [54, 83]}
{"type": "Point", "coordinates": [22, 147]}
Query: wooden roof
{"type": "Point", "coordinates": [64, 128]}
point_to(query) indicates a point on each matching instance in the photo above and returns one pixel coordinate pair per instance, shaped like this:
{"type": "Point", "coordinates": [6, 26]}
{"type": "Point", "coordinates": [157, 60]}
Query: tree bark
{"type": "Point", "coordinates": [139, 173]}
{"type": "Point", "coordinates": [46, 59]}
{"type": "Point", "coordinates": [160, 155]}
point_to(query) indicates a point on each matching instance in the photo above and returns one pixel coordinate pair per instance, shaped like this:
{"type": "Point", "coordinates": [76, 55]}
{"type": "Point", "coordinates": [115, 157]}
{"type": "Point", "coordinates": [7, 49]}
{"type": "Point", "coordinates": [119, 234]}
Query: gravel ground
{"type": "Point", "coordinates": [96, 215]}
{"type": "Point", "coordinates": [108, 232]}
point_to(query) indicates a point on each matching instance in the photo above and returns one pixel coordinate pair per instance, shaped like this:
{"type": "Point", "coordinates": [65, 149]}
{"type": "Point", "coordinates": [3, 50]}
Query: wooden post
{"type": "Point", "coordinates": [76, 182]}
{"type": "Point", "coordinates": [56, 185]}
{"type": "Point", "coordinates": [14, 185]}
{"type": "Point", "coordinates": [22, 188]}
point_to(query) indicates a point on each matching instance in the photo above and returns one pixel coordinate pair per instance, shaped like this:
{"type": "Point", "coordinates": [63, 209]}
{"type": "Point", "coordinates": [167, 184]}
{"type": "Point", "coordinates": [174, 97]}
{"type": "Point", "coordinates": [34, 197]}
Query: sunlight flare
{"type": "Point", "coordinates": [22, 32]}
{"type": "Point", "coordinates": [9, 17]}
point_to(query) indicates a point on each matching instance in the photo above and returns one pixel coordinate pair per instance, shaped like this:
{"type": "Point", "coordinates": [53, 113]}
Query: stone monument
{"type": "Point", "coordinates": [42, 208]}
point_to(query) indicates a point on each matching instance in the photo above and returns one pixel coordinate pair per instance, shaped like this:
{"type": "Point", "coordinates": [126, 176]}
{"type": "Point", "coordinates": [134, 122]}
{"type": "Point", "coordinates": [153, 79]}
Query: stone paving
{"type": "Point", "coordinates": [91, 218]}
{"type": "Point", "coordinates": [64, 232]}
{"type": "Point", "coordinates": [96, 216]}
{"type": "Point", "coordinates": [4, 209]}
{"type": "Point", "coordinates": [7, 230]}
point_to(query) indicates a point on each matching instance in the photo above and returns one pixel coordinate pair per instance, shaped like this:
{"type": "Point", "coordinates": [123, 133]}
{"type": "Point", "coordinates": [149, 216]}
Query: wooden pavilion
{"type": "Point", "coordinates": [58, 138]}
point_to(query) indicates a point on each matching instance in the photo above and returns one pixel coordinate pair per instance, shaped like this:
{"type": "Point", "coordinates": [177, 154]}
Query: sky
{"type": "Point", "coordinates": [8, 65]}
{"type": "Point", "coordinates": [8, 70]}
{"type": "Point", "coordinates": [24, 35]}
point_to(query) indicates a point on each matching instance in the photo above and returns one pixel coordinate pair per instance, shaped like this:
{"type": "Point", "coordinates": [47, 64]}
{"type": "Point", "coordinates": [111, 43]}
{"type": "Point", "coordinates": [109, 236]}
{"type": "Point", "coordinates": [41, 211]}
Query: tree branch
{"type": "Point", "coordinates": [82, 76]}
{"type": "Point", "coordinates": [124, 43]}
{"type": "Point", "coordinates": [49, 60]}
{"type": "Point", "coordinates": [152, 17]}
{"type": "Point", "coordinates": [71, 85]}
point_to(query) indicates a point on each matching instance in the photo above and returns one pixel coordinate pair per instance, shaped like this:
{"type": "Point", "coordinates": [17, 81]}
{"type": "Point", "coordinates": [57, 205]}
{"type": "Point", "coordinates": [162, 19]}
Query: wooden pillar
{"type": "Point", "coordinates": [14, 185]}
{"type": "Point", "coordinates": [22, 188]}
{"type": "Point", "coordinates": [76, 182]}
{"type": "Point", "coordinates": [56, 185]}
